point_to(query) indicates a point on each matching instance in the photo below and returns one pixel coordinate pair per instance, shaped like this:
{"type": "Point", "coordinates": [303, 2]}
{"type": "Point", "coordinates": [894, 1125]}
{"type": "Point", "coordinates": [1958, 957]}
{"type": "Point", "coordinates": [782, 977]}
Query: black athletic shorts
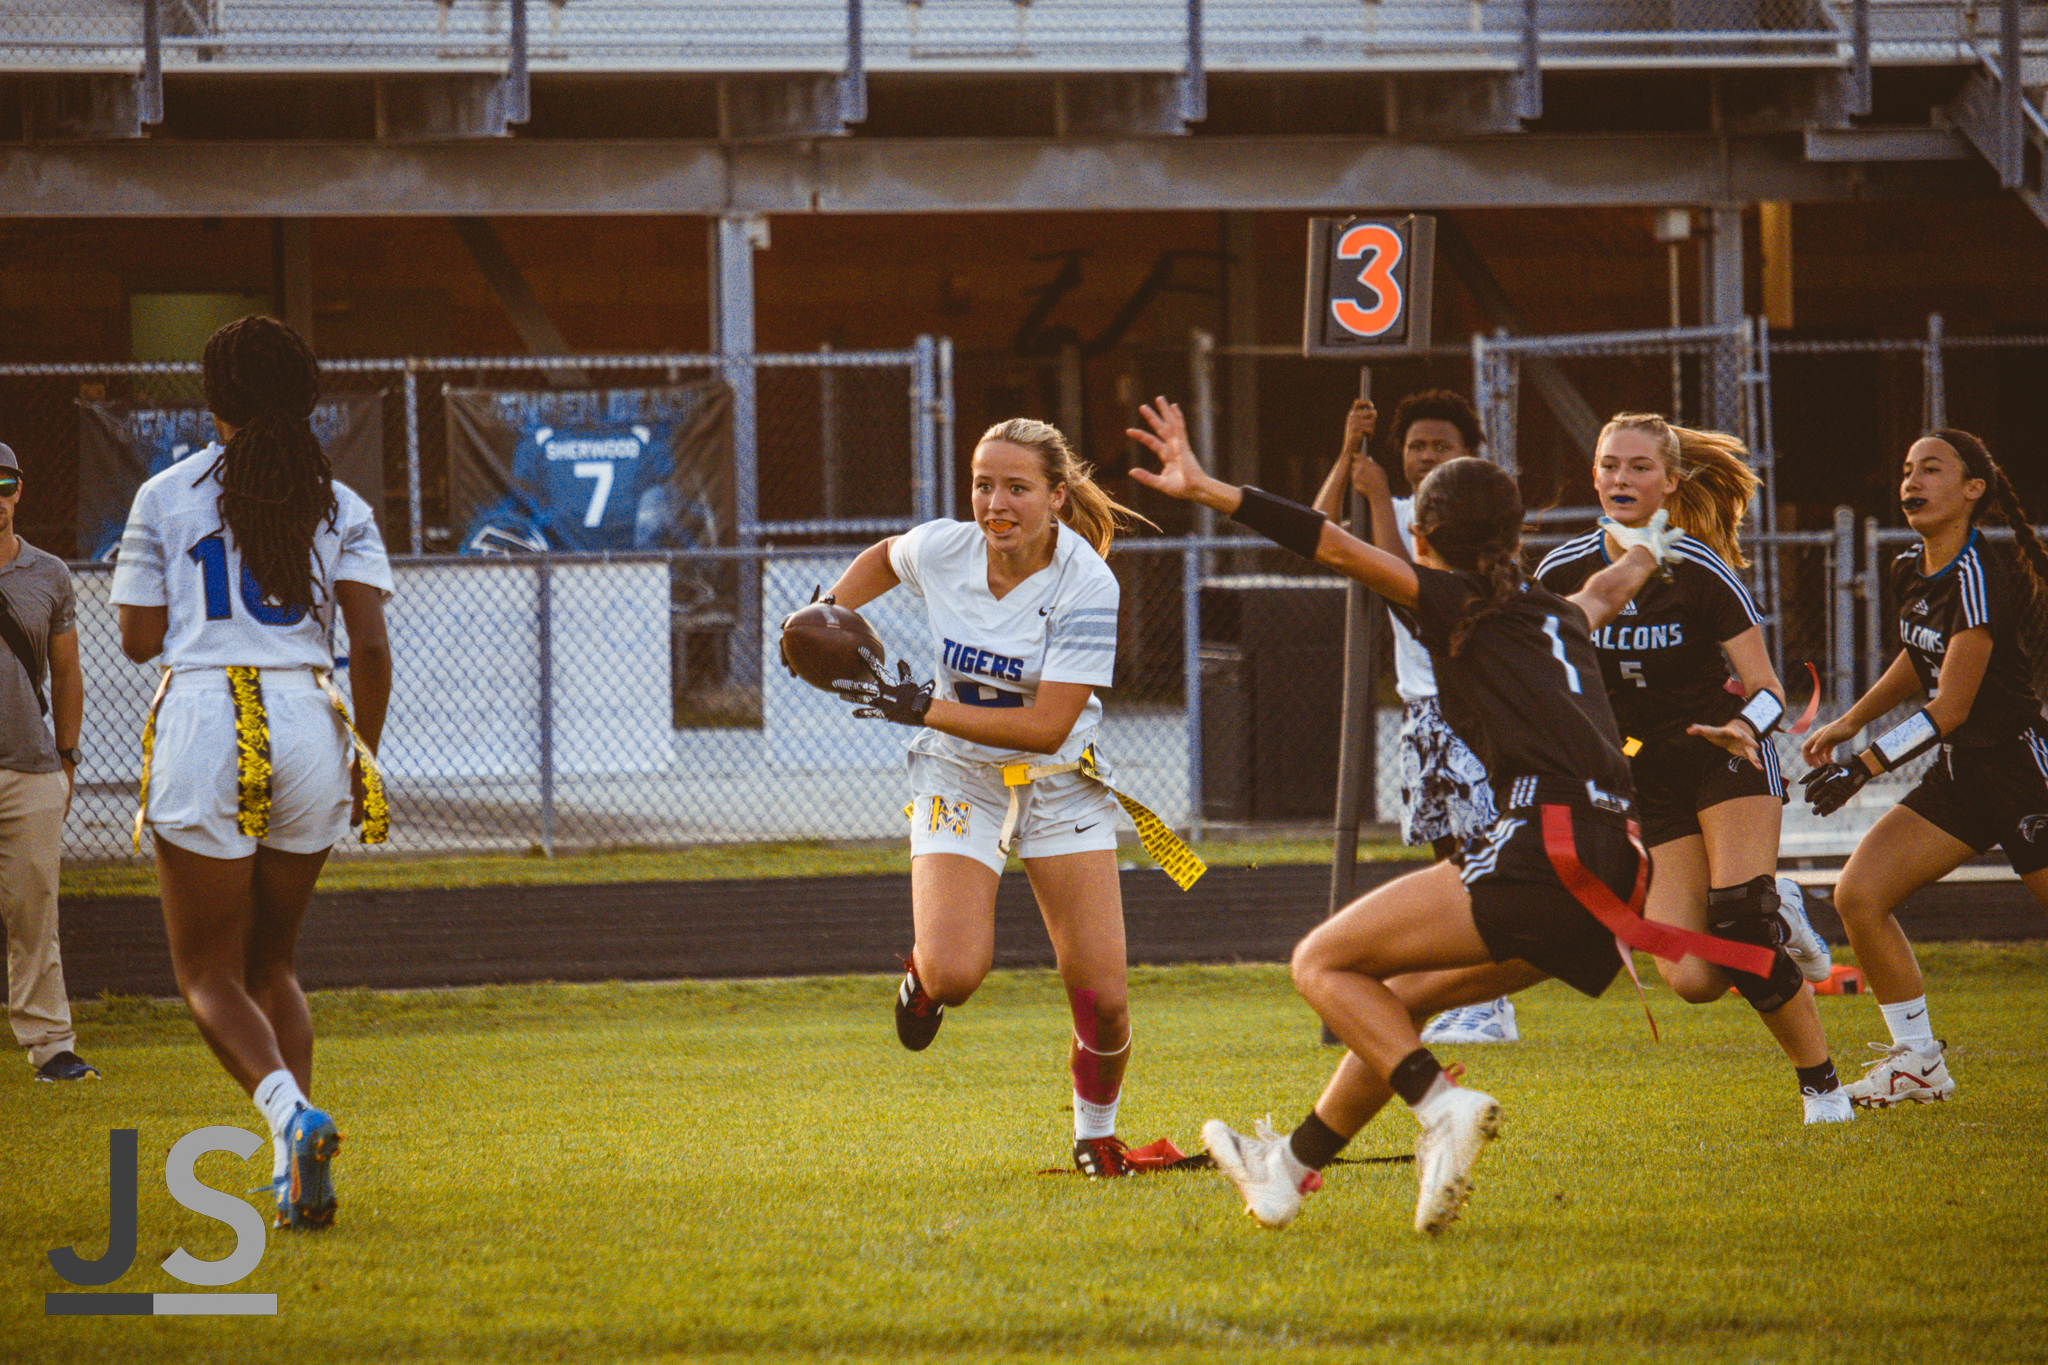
{"type": "Point", "coordinates": [1990, 797]}
{"type": "Point", "coordinates": [1678, 777]}
{"type": "Point", "coordinates": [1523, 911]}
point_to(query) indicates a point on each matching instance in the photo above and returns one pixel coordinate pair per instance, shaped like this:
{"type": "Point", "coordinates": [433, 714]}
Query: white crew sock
{"type": "Point", "coordinates": [1909, 1023]}
{"type": "Point", "coordinates": [1092, 1120]}
{"type": "Point", "coordinates": [277, 1098]}
{"type": "Point", "coordinates": [1439, 1092]}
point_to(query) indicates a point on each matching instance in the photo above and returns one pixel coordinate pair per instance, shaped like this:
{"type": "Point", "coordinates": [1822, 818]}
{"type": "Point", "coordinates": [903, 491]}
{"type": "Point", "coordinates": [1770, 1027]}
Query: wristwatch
{"type": "Point", "coordinates": [70, 756]}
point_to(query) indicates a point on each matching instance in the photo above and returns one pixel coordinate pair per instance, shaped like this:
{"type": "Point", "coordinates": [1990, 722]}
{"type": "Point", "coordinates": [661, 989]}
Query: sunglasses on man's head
{"type": "Point", "coordinates": [10, 484]}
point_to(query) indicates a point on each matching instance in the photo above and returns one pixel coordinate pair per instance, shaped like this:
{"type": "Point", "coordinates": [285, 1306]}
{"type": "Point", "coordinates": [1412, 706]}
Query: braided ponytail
{"type": "Point", "coordinates": [276, 482]}
{"type": "Point", "coordinates": [1470, 511]}
{"type": "Point", "coordinates": [1715, 482]}
{"type": "Point", "coordinates": [2000, 504]}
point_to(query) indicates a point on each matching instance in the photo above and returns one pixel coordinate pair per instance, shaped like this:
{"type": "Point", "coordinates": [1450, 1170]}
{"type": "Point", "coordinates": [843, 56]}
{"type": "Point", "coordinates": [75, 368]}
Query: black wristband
{"type": "Point", "coordinates": [1287, 524]}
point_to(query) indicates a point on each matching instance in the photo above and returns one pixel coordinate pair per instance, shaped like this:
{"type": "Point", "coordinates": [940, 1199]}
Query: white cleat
{"type": "Point", "coordinates": [1445, 1153]}
{"type": "Point", "coordinates": [1263, 1169]}
{"type": "Point", "coordinates": [1833, 1107]}
{"type": "Point", "coordinates": [1903, 1073]}
{"type": "Point", "coordinates": [1807, 949]}
{"type": "Point", "coordinates": [1490, 1022]}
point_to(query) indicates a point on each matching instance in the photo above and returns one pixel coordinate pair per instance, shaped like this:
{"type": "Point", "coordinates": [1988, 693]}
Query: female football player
{"type": "Point", "coordinates": [1706, 777]}
{"type": "Point", "coordinates": [1964, 611]}
{"type": "Point", "coordinates": [233, 575]}
{"type": "Point", "coordinates": [1023, 613]}
{"type": "Point", "coordinates": [1559, 878]}
{"type": "Point", "coordinates": [1445, 801]}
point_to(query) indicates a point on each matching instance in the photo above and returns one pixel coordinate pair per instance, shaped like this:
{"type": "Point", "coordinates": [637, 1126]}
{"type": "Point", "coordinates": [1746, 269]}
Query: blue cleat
{"type": "Point", "coordinates": [306, 1193]}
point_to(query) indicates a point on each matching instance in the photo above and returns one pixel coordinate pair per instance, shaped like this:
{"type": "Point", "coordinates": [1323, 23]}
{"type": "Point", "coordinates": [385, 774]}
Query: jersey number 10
{"type": "Point", "coordinates": [211, 555]}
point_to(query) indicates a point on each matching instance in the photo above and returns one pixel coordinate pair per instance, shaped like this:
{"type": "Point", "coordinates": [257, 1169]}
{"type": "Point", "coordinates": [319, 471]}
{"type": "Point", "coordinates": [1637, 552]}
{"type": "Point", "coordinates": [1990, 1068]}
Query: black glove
{"type": "Point", "coordinates": [904, 701]}
{"type": "Point", "coordinates": [818, 594]}
{"type": "Point", "coordinates": [1830, 786]}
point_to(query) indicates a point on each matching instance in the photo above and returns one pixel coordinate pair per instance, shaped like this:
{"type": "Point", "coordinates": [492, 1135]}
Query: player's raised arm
{"type": "Point", "coordinates": [1288, 524]}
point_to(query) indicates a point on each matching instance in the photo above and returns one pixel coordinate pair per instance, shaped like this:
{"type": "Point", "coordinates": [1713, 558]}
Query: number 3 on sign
{"type": "Point", "coordinates": [1381, 247]}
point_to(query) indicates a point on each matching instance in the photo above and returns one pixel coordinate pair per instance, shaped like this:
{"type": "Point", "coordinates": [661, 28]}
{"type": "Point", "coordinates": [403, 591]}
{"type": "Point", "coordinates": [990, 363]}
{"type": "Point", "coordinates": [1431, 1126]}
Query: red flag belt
{"type": "Point", "coordinates": [1626, 922]}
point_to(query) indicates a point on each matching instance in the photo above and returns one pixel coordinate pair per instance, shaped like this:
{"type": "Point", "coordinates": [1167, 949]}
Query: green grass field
{"type": "Point", "coordinates": [755, 1171]}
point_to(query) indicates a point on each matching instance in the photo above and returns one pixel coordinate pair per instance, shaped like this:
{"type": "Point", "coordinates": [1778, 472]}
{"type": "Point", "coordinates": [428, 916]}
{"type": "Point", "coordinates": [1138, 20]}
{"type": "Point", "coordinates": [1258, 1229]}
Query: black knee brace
{"type": "Point", "coordinates": [1749, 914]}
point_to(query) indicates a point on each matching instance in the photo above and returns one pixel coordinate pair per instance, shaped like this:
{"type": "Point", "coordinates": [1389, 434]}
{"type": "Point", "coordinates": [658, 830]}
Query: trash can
{"type": "Point", "coordinates": [1272, 678]}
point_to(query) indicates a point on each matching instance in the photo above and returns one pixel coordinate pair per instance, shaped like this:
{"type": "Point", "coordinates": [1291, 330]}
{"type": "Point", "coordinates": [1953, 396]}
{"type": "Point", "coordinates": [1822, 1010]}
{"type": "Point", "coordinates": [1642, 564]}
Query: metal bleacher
{"type": "Point", "coordinates": [711, 36]}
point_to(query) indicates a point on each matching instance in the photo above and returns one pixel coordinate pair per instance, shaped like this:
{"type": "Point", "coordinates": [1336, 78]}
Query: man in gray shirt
{"type": "Point", "coordinates": [37, 625]}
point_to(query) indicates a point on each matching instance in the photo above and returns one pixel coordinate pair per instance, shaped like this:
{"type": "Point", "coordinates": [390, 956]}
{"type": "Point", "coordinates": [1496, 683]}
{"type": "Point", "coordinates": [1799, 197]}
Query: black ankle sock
{"type": "Point", "coordinates": [1819, 1079]}
{"type": "Point", "coordinates": [1315, 1144]}
{"type": "Point", "coordinates": [1414, 1075]}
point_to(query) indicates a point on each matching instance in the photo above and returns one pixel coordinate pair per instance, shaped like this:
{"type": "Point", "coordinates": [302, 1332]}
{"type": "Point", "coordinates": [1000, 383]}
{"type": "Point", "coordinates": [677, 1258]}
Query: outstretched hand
{"type": "Point", "coordinates": [1736, 737]}
{"type": "Point", "coordinates": [1658, 537]}
{"type": "Point", "coordinates": [1180, 473]}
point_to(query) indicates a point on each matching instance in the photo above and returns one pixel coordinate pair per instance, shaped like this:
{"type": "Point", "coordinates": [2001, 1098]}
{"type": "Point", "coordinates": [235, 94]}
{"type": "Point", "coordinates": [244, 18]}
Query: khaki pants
{"type": "Point", "coordinates": [31, 838]}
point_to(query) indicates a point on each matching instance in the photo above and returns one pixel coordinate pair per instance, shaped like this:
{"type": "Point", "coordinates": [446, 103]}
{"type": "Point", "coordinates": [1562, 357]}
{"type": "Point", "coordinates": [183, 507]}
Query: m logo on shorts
{"type": "Point", "coordinates": [950, 816]}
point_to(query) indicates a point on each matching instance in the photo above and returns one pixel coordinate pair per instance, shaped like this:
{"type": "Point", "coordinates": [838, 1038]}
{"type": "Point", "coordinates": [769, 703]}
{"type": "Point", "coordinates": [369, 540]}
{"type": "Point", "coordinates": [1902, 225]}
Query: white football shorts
{"type": "Point", "coordinates": [193, 802]}
{"type": "Point", "coordinates": [957, 808]}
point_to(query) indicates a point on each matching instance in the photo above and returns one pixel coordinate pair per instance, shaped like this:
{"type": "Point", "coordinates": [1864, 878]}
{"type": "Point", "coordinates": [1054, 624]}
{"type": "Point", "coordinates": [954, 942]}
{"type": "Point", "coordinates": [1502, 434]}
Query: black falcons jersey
{"type": "Point", "coordinates": [1973, 589]}
{"type": "Point", "coordinates": [1661, 657]}
{"type": "Point", "coordinates": [1524, 692]}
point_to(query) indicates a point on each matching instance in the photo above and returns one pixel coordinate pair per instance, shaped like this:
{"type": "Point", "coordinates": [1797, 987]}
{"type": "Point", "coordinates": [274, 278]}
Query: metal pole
{"type": "Point", "coordinates": [152, 92]}
{"type": "Point", "coordinates": [1191, 671]}
{"type": "Point", "coordinates": [1355, 730]}
{"type": "Point", "coordinates": [1859, 71]}
{"type": "Point", "coordinates": [1757, 394]}
{"type": "Point", "coordinates": [2012, 151]}
{"type": "Point", "coordinates": [1529, 82]}
{"type": "Point", "coordinates": [546, 593]}
{"type": "Point", "coordinates": [946, 453]}
{"type": "Point", "coordinates": [1202, 383]}
{"type": "Point", "coordinates": [1934, 404]}
{"type": "Point", "coordinates": [518, 87]}
{"type": "Point", "coordinates": [412, 455]}
{"type": "Point", "coordinates": [923, 438]}
{"type": "Point", "coordinates": [1194, 86]}
{"type": "Point", "coordinates": [1873, 603]}
{"type": "Point", "coordinates": [828, 435]}
{"type": "Point", "coordinates": [1842, 669]}
{"type": "Point", "coordinates": [733, 238]}
{"type": "Point", "coordinates": [853, 85]}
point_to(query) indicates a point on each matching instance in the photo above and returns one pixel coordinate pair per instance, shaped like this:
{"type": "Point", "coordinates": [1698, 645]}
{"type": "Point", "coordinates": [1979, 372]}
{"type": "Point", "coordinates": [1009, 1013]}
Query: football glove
{"type": "Point", "coordinates": [1658, 537]}
{"type": "Point", "coordinates": [904, 701]}
{"type": "Point", "coordinates": [1830, 786]}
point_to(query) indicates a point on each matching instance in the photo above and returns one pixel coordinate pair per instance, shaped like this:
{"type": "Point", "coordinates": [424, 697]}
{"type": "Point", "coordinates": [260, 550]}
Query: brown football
{"type": "Point", "coordinates": [822, 643]}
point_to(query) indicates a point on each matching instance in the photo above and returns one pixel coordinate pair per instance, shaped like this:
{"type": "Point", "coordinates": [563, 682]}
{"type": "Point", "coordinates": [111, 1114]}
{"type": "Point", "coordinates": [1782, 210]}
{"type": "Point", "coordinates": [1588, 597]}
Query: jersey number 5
{"type": "Point", "coordinates": [211, 555]}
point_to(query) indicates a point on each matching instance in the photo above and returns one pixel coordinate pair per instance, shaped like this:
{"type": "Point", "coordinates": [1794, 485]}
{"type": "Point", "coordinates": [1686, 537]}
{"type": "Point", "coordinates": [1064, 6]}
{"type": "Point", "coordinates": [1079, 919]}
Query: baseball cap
{"type": "Point", "coordinates": [7, 460]}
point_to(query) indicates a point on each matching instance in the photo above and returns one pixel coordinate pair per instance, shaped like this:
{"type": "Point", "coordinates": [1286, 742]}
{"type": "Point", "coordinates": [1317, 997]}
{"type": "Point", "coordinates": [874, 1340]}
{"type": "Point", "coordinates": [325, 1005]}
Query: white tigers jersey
{"type": "Point", "coordinates": [178, 553]}
{"type": "Point", "coordinates": [1059, 625]}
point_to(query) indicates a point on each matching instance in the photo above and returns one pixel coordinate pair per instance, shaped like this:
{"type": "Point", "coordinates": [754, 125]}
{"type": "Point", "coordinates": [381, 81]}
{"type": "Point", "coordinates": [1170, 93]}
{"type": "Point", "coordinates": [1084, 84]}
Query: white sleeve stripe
{"type": "Point", "coordinates": [1570, 550]}
{"type": "Point", "coordinates": [1070, 630]}
{"type": "Point", "coordinates": [1079, 613]}
{"type": "Point", "coordinates": [1704, 556]}
{"type": "Point", "coordinates": [1970, 578]}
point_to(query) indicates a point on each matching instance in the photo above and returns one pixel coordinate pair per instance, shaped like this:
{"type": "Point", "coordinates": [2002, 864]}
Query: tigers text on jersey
{"type": "Point", "coordinates": [1059, 625]}
{"type": "Point", "coordinates": [1524, 693]}
{"type": "Point", "coordinates": [1661, 657]}
{"type": "Point", "coordinates": [178, 553]}
{"type": "Point", "coordinates": [1973, 589]}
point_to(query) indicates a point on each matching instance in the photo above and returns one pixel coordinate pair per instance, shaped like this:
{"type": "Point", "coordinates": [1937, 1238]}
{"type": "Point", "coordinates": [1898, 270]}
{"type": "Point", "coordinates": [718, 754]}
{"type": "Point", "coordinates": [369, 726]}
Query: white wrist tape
{"type": "Point", "coordinates": [1763, 713]}
{"type": "Point", "coordinates": [1910, 738]}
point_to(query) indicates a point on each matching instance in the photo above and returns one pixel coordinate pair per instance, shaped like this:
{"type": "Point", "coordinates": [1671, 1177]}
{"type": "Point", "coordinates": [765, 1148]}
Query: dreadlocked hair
{"type": "Point", "coordinates": [276, 483]}
{"type": "Point", "coordinates": [1092, 513]}
{"type": "Point", "coordinates": [1470, 511]}
{"type": "Point", "coordinates": [2000, 505]}
{"type": "Point", "coordinates": [1715, 482]}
